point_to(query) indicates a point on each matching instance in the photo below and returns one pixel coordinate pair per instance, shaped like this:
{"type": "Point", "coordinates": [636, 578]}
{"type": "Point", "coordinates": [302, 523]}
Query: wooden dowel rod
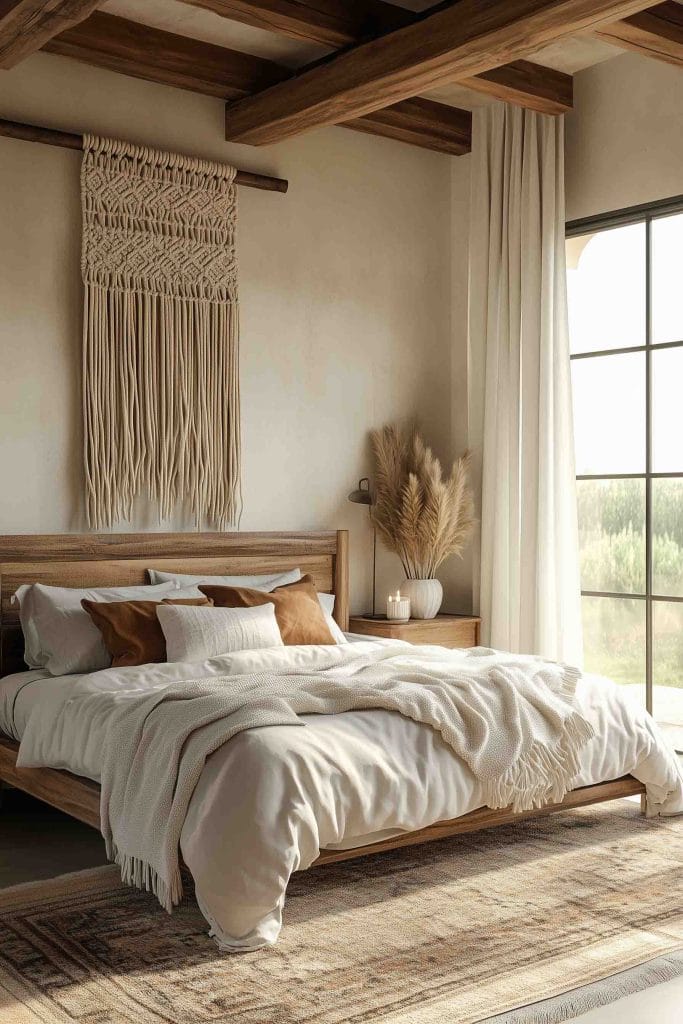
{"type": "Point", "coordinates": [31, 133]}
{"type": "Point", "coordinates": [70, 140]}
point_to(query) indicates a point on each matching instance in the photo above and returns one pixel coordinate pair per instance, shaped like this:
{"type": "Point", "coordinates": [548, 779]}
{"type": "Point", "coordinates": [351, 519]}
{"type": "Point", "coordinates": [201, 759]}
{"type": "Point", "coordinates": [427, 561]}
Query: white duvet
{"type": "Point", "coordinates": [268, 800]}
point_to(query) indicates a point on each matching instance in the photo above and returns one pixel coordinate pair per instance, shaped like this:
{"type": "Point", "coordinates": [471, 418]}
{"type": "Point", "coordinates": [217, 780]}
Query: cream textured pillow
{"type": "Point", "coordinates": [60, 636]}
{"type": "Point", "coordinates": [195, 633]}
{"type": "Point", "coordinates": [267, 581]}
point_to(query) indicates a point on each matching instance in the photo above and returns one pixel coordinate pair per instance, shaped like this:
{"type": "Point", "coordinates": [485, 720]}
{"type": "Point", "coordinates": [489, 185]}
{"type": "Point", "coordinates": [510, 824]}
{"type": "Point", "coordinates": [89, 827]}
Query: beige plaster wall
{"type": "Point", "coordinates": [345, 304]}
{"type": "Point", "coordinates": [624, 136]}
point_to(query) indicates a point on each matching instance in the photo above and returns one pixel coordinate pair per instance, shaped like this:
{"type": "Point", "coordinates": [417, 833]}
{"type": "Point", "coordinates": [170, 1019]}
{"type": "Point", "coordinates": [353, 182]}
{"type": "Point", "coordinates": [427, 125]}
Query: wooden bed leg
{"type": "Point", "coordinates": [643, 804]}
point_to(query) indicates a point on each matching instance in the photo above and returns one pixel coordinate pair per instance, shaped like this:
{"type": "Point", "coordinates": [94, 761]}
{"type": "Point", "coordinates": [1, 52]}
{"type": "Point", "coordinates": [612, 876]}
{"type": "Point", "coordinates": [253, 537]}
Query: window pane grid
{"type": "Point", "coordinates": [666, 535]}
{"type": "Point", "coordinates": [648, 465]}
{"type": "Point", "coordinates": [629, 476]}
{"type": "Point", "coordinates": [632, 597]}
{"type": "Point", "coordinates": [625, 351]}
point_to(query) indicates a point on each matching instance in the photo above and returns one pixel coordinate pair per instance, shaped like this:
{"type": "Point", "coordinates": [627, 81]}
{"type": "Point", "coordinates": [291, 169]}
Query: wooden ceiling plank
{"type": "Point", "coordinates": [656, 32]}
{"type": "Point", "coordinates": [26, 25]}
{"type": "Point", "coordinates": [463, 39]}
{"type": "Point", "coordinates": [338, 23]}
{"type": "Point", "coordinates": [114, 43]}
{"type": "Point", "coordinates": [333, 23]}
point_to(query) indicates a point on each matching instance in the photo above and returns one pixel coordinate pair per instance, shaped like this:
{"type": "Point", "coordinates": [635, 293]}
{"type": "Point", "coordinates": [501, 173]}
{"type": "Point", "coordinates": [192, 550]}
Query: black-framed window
{"type": "Point", "coordinates": [625, 289]}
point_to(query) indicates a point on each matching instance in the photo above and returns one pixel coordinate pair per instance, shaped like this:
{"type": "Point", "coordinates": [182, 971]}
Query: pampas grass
{"type": "Point", "coordinates": [419, 515]}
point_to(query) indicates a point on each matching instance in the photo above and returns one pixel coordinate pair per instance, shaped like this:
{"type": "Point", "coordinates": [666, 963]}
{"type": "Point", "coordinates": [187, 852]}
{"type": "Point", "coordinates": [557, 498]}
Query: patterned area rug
{"type": "Point", "coordinates": [454, 931]}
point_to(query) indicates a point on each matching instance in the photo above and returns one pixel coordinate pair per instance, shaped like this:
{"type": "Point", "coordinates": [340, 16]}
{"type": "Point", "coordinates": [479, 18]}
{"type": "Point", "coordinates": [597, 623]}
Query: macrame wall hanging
{"type": "Point", "coordinates": [161, 334]}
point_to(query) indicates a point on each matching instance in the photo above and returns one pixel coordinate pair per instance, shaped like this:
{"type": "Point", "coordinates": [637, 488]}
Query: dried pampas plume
{"type": "Point", "coordinates": [419, 515]}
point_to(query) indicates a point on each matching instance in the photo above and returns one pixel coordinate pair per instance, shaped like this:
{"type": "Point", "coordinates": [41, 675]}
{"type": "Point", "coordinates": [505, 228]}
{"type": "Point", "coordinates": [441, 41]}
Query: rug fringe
{"type": "Point", "coordinates": [569, 1005]}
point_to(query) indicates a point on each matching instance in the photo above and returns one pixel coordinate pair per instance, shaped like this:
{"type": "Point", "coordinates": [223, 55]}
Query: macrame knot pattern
{"type": "Point", "coordinates": [161, 398]}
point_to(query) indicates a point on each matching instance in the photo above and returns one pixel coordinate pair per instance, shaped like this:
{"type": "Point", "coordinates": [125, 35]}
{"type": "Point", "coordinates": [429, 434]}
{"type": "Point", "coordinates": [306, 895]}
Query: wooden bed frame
{"type": "Point", "coordinates": [98, 560]}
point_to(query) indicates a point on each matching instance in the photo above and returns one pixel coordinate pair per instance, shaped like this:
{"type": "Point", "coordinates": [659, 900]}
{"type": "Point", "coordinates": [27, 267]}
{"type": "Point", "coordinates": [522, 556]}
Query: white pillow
{"type": "Point", "coordinates": [266, 582]}
{"type": "Point", "coordinates": [194, 633]}
{"type": "Point", "coordinates": [60, 636]}
{"type": "Point", "coordinates": [327, 605]}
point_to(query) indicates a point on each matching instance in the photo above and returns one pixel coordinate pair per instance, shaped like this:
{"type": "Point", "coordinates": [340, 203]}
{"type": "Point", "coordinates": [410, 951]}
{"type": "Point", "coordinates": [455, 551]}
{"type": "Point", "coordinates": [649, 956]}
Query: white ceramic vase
{"type": "Point", "coordinates": [425, 597]}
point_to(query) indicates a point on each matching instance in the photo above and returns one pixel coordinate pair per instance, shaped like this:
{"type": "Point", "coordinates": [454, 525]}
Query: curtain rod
{"type": "Point", "coordinates": [70, 140]}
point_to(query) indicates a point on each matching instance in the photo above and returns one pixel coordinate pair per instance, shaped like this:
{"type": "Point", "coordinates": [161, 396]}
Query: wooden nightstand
{"type": "Point", "coordinates": [444, 630]}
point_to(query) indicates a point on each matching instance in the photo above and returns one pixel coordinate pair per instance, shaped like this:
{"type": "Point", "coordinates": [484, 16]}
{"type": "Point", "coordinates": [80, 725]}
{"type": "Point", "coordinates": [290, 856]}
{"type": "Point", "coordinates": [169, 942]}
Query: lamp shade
{"type": "Point", "coordinates": [362, 496]}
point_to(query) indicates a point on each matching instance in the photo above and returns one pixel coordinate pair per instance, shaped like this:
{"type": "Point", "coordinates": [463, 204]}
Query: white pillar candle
{"type": "Point", "coordinates": [398, 607]}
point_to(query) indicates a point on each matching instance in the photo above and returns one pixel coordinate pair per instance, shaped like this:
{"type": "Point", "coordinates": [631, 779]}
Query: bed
{"type": "Point", "coordinates": [396, 754]}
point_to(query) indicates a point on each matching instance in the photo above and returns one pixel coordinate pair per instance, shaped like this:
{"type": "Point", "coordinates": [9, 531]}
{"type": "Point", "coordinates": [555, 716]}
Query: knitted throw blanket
{"type": "Point", "coordinates": [512, 719]}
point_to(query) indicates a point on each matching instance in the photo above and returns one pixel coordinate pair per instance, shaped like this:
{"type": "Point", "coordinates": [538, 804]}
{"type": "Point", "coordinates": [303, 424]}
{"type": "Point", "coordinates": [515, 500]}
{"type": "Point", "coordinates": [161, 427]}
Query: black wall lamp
{"type": "Point", "coordinates": [363, 496]}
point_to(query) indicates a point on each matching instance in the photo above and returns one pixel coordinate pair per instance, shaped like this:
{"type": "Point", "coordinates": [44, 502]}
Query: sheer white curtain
{"type": "Point", "coordinates": [519, 348]}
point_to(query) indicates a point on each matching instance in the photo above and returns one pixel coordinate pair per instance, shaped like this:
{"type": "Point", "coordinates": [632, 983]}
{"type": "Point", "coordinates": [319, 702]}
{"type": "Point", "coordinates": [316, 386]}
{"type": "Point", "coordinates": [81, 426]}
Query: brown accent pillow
{"type": "Point", "coordinates": [297, 608]}
{"type": "Point", "coordinates": [131, 630]}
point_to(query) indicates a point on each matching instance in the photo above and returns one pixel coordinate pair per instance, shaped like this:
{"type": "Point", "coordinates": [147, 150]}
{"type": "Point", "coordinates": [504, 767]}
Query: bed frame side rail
{"type": "Point", "coordinates": [80, 798]}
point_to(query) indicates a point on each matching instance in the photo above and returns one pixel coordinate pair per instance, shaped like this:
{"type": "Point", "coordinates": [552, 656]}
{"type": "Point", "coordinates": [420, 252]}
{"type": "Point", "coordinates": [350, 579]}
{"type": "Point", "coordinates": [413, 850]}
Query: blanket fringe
{"type": "Point", "coordinates": [568, 681]}
{"type": "Point", "coordinates": [541, 775]}
{"type": "Point", "coordinates": [141, 875]}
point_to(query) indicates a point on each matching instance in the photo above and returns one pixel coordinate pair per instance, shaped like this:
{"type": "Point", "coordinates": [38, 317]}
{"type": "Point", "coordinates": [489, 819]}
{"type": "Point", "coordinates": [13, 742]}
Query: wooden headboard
{"type": "Point", "coordinates": [117, 560]}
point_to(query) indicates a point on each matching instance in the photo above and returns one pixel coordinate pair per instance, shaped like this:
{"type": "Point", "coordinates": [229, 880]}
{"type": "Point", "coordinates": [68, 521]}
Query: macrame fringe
{"type": "Point", "coordinates": [161, 404]}
{"type": "Point", "coordinates": [161, 394]}
{"type": "Point", "coordinates": [142, 875]}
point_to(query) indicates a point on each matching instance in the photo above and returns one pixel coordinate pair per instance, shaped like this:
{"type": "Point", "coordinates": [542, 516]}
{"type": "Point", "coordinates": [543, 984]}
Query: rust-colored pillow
{"type": "Point", "coordinates": [131, 630]}
{"type": "Point", "coordinates": [297, 608]}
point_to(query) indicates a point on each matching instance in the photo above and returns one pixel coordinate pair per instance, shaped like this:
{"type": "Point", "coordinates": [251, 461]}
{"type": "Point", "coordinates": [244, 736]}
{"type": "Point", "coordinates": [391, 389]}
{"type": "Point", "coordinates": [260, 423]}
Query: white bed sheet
{"type": "Point", "coordinates": [18, 694]}
{"type": "Point", "coordinates": [268, 800]}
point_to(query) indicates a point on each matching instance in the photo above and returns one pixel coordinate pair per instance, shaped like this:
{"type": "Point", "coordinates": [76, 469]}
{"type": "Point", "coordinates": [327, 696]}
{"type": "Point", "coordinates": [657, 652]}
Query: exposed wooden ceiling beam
{"type": "Point", "coordinates": [527, 85]}
{"type": "Point", "coordinates": [157, 56]}
{"type": "Point", "coordinates": [333, 23]}
{"type": "Point", "coordinates": [107, 41]}
{"type": "Point", "coordinates": [26, 25]}
{"type": "Point", "coordinates": [421, 122]}
{"type": "Point", "coordinates": [338, 23]}
{"type": "Point", "coordinates": [657, 32]}
{"type": "Point", "coordinates": [458, 41]}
